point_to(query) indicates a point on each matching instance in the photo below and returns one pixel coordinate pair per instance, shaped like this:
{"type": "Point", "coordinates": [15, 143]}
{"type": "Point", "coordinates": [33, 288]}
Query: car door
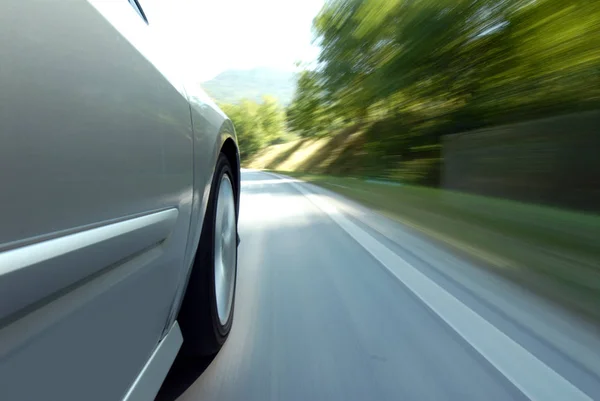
{"type": "Point", "coordinates": [96, 177]}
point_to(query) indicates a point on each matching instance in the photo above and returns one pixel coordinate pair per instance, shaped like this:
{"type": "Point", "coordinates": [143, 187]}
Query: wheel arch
{"type": "Point", "coordinates": [230, 150]}
{"type": "Point", "coordinates": [223, 141]}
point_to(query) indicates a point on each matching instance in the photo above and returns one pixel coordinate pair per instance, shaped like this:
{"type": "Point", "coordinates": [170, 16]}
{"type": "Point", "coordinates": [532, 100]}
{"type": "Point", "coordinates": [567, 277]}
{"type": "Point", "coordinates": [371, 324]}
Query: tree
{"type": "Point", "coordinates": [307, 115]}
{"type": "Point", "coordinates": [272, 119]}
{"type": "Point", "coordinates": [256, 124]}
{"type": "Point", "coordinates": [410, 71]}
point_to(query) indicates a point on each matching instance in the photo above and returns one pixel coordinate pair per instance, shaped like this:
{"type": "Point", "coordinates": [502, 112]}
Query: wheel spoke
{"type": "Point", "coordinates": [225, 249]}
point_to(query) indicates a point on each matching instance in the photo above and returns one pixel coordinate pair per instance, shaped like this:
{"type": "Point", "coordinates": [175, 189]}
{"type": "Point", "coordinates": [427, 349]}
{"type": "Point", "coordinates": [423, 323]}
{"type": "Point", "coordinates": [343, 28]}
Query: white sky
{"type": "Point", "coordinates": [218, 35]}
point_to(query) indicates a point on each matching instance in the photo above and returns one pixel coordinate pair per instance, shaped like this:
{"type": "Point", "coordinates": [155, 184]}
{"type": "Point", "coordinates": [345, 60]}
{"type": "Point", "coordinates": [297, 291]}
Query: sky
{"type": "Point", "coordinates": [218, 35]}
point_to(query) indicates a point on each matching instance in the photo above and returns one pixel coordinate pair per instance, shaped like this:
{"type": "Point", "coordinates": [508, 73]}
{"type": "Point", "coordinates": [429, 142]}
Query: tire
{"type": "Point", "coordinates": [206, 313]}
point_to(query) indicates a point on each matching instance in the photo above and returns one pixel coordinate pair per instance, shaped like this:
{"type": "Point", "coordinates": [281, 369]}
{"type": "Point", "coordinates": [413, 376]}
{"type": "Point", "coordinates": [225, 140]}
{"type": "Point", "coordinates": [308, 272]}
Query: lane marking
{"type": "Point", "coordinates": [530, 375]}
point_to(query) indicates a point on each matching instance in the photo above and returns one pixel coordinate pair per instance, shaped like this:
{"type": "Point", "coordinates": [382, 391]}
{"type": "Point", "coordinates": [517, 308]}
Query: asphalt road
{"type": "Point", "coordinates": [336, 302]}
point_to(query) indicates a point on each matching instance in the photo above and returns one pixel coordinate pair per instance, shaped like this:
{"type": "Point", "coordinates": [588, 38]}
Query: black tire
{"type": "Point", "coordinates": [203, 333]}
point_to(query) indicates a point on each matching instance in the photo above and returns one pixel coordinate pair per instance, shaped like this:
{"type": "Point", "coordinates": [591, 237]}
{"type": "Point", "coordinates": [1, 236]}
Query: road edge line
{"type": "Point", "coordinates": [531, 376]}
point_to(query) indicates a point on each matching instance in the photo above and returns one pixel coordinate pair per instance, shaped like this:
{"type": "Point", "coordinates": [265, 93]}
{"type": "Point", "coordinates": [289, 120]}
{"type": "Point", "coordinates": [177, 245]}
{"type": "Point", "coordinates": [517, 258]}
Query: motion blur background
{"type": "Point", "coordinates": [476, 122]}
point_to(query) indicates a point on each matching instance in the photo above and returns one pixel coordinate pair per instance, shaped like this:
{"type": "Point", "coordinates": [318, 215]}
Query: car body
{"type": "Point", "coordinates": [111, 164]}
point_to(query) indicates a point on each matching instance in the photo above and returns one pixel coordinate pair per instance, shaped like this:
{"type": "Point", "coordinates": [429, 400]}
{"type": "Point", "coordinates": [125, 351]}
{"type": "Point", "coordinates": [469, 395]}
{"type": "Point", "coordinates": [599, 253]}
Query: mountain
{"type": "Point", "coordinates": [234, 85]}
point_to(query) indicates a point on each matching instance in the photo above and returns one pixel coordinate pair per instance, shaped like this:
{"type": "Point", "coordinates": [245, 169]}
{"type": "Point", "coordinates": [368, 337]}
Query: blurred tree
{"type": "Point", "coordinates": [272, 119]}
{"type": "Point", "coordinates": [417, 69]}
{"type": "Point", "coordinates": [256, 124]}
{"type": "Point", "coordinates": [307, 114]}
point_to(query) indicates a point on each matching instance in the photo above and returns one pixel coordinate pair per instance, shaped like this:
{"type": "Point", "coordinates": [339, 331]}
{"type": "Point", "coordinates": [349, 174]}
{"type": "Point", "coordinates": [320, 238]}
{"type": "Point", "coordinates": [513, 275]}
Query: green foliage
{"type": "Point", "coordinates": [257, 124]}
{"type": "Point", "coordinates": [414, 70]}
{"type": "Point", "coordinates": [272, 119]}
{"type": "Point", "coordinates": [306, 114]}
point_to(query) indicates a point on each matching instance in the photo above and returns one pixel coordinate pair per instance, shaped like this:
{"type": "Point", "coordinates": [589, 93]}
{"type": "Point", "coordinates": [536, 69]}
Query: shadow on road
{"type": "Point", "coordinates": [184, 372]}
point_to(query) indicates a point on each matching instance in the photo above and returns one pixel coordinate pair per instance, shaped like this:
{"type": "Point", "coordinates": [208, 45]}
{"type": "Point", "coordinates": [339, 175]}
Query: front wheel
{"type": "Point", "coordinates": [207, 310]}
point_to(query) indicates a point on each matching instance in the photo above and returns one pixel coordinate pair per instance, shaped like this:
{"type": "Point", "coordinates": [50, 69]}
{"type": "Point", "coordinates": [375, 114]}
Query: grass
{"type": "Point", "coordinates": [337, 154]}
{"type": "Point", "coordinates": [553, 251]}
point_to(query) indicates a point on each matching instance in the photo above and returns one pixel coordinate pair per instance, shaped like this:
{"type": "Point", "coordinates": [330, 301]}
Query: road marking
{"type": "Point", "coordinates": [531, 376]}
{"type": "Point", "coordinates": [341, 186]}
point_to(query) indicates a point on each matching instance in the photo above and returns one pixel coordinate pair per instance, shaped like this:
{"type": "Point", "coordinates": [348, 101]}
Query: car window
{"type": "Point", "coordinates": [136, 6]}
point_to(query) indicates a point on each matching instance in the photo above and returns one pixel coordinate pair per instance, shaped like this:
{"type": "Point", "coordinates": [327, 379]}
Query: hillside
{"type": "Point", "coordinates": [338, 154]}
{"type": "Point", "coordinates": [234, 85]}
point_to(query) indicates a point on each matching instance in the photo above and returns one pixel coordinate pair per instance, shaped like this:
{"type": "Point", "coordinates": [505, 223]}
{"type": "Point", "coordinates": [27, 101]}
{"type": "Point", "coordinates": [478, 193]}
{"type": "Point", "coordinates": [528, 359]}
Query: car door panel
{"type": "Point", "coordinates": [33, 272]}
{"type": "Point", "coordinates": [92, 134]}
{"type": "Point", "coordinates": [90, 343]}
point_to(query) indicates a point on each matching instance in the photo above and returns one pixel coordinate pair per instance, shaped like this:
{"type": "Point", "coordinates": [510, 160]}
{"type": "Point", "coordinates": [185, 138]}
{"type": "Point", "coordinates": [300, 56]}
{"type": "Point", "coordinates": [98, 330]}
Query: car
{"type": "Point", "coordinates": [120, 191]}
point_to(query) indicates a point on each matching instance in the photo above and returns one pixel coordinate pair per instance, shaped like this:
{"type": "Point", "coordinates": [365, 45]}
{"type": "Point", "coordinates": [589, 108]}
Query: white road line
{"type": "Point", "coordinates": [530, 375]}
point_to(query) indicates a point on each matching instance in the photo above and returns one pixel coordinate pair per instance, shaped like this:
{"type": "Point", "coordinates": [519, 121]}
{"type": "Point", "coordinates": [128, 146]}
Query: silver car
{"type": "Point", "coordinates": [119, 195]}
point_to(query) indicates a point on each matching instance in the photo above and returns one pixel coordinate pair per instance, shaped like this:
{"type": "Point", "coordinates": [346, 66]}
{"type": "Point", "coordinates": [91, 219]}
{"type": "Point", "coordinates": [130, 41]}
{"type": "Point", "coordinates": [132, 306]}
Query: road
{"type": "Point", "coordinates": [336, 302]}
